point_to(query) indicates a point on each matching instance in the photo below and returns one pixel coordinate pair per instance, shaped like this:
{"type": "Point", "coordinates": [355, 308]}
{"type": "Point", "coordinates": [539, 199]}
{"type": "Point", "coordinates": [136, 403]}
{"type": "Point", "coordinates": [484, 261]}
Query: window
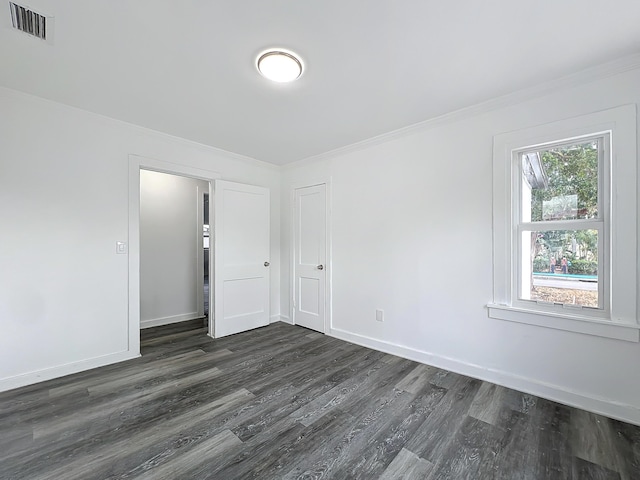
{"type": "Point", "coordinates": [565, 225]}
{"type": "Point", "coordinates": [562, 222]}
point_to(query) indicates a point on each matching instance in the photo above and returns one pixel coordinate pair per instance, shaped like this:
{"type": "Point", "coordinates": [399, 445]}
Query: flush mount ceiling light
{"type": "Point", "coordinates": [279, 65]}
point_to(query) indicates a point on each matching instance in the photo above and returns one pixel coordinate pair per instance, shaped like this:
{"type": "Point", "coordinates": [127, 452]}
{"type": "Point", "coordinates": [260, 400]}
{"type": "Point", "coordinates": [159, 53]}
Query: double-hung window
{"type": "Point", "coordinates": [565, 225]}
{"type": "Point", "coordinates": [561, 216]}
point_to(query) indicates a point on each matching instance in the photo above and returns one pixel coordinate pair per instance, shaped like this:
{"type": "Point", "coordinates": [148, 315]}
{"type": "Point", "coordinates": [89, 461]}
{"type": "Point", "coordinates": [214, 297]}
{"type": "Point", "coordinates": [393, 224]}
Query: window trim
{"type": "Point", "coordinates": [619, 256]}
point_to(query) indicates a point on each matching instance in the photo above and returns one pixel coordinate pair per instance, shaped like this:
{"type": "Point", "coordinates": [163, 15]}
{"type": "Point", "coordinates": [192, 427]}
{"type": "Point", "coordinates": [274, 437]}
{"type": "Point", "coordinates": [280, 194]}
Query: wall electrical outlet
{"type": "Point", "coordinates": [121, 247]}
{"type": "Point", "coordinates": [380, 315]}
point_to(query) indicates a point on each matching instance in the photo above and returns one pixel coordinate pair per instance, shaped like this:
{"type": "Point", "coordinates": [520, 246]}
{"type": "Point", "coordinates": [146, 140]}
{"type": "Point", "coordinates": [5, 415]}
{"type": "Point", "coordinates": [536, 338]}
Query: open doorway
{"type": "Point", "coordinates": [239, 276]}
{"type": "Point", "coordinates": [172, 264]}
{"type": "Point", "coordinates": [138, 164]}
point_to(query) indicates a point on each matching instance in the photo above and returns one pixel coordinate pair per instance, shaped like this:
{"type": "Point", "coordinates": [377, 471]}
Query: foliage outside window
{"type": "Point", "coordinates": [565, 209]}
{"type": "Point", "coordinates": [561, 222]}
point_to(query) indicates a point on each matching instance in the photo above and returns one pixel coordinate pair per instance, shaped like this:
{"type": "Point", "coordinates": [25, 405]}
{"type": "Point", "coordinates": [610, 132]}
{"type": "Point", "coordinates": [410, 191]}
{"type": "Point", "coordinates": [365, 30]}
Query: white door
{"type": "Point", "coordinates": [310, 250]}
{"type": "Point", "coordinates": [241, 259]}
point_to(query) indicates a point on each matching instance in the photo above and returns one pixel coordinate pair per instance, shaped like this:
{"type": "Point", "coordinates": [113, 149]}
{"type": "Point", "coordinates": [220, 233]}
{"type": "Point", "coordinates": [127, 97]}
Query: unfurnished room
{"type": "Point", "coordinates": [323, 239]}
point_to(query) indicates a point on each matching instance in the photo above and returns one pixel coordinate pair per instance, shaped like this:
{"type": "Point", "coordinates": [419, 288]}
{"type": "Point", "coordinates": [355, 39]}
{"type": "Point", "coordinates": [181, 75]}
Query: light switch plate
{"type": "Point", "coordinates": [121, 247]}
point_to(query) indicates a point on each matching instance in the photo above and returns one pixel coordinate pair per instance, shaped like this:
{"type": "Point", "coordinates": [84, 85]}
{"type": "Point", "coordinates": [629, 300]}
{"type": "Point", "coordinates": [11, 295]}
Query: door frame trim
{"type": "Point", "coordinates": [328, 305]}
{"type": "Point", "coordinates": [200, 193]}
{"type": "Point", "coordinates": [137, 163]}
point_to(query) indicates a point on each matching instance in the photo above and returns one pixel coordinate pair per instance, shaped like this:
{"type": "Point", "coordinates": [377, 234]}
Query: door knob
{"type": "Point", "coordinates": [266, 264]}
{"type": "Point", "coordinates": [320, 267]}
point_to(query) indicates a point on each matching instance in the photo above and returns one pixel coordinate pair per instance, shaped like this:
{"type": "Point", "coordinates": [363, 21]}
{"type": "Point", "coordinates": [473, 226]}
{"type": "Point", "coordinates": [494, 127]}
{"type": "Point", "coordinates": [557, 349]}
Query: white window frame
{"type": "Point", "coordinates": [618, 316]}
{"type": "Point", "coordinates": [601, 224]}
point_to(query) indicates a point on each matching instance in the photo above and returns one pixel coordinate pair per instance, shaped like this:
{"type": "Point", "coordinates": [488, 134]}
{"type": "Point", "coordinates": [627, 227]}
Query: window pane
{"type": "Point", "coordinates": [560, 183]}
{"type": "Point", "coordinates": [560, 266]}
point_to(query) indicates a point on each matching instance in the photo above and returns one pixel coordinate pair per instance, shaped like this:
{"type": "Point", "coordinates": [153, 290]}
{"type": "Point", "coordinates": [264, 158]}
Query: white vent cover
{"type": "Point", "coordinates": [28, 21]}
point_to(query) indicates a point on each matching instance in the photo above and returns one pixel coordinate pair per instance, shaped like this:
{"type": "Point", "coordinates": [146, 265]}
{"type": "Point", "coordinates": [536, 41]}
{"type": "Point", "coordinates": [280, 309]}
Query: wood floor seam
{"type": "Point", "coordinates": [284, 402]}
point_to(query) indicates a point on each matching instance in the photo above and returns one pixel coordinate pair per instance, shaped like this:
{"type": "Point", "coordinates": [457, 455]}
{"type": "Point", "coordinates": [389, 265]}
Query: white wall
{"type": "Point", "coordinates": [412, 235]}
{"type": "Point", "coordinates": [63, 205]}
{"type": "Point", "coordinates": [171, 262]}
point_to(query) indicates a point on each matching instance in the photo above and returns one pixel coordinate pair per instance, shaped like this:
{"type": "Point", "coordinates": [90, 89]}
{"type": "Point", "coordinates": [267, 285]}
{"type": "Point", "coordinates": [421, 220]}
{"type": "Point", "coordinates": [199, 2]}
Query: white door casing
{"type": "Point", "coordinates": [310, 257]}
{"type": "Point", "coordinates": [136, 163]}
{"type": "Point", "coordinates": [241, 276]}
{"type": "Point", "coordinates": [200, 249]}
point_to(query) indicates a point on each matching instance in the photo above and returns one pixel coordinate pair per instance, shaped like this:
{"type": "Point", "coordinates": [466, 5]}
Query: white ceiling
{"type": "Point", "coordinates": [186, 67]}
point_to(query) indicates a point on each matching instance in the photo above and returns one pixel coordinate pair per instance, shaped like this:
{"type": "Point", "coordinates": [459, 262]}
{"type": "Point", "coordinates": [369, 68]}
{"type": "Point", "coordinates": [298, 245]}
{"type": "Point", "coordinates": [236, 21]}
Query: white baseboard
{"type": "Point", "coordinates": [556, 393]}
{"type": "Point", "coordinates": [281, 318]}
{"type": "Point", "coordinates": [156, 322]}
{"type": "Point", "coordinates": [30, 378]}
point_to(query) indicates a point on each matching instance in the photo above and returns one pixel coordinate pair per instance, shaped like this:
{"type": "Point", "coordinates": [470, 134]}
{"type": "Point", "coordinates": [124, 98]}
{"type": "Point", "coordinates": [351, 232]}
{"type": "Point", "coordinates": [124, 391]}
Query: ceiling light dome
{"type": "Point", "coordinates": [279, 65]}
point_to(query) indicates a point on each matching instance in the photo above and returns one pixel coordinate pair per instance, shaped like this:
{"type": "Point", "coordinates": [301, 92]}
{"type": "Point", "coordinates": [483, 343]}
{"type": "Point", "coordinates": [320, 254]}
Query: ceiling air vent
{"type": "Point", "coordinates": [28, 21]}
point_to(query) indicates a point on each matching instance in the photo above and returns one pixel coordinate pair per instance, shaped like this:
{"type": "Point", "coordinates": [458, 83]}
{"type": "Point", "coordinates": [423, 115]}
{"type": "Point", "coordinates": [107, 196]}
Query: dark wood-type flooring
{"type": "Point", "coordinates": [283, 402]}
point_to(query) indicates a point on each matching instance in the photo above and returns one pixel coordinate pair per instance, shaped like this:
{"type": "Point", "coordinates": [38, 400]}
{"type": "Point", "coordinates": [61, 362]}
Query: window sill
{"type": "Point", "coordinates": [567, 322]}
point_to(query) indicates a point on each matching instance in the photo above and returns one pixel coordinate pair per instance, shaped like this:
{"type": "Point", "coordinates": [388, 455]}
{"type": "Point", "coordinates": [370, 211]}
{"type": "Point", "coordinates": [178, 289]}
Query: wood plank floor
{"type": "Point", "coordinates": [283, 402]}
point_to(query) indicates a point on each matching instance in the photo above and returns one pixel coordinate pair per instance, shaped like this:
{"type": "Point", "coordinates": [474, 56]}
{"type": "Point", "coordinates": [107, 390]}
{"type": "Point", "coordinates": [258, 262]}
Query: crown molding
{"type": "Point", "coordinates": [588, 75]}
{"type": "Point", "coordinates": [582, 77]}
{"type": "Point", "coordinates": [209, 148]}
{"type": "Point", "coordinates": [11, 92]}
